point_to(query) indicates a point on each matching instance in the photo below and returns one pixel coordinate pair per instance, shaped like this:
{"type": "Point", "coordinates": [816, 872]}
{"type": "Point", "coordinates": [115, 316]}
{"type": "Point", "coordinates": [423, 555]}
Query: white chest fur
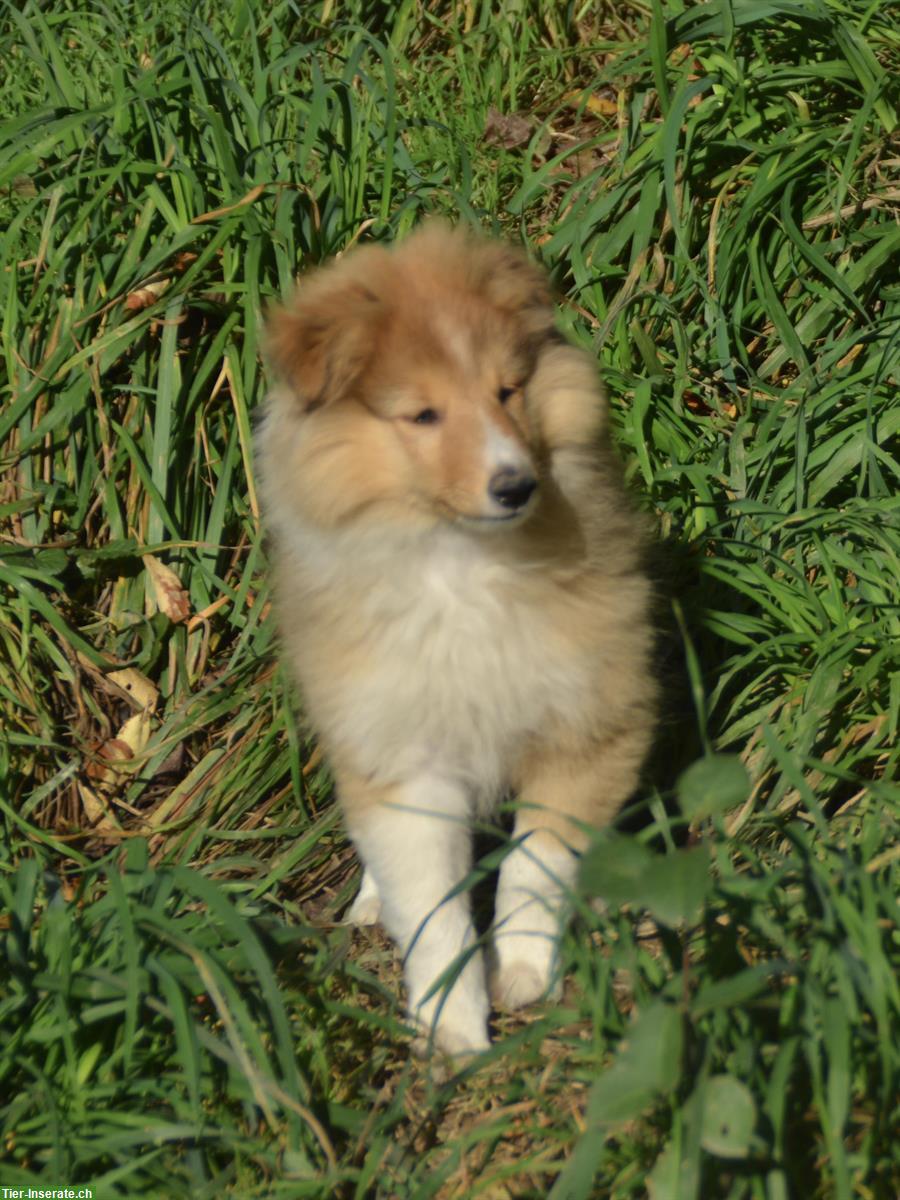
{"type": "Point", "coordinates": [428, 653]}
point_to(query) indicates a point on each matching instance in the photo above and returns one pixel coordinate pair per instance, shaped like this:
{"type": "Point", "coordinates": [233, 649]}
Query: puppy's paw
{"type": "Point", "coordinates": [456, 1028]}
{"type": "Point", "coordinates": [460, 1045]}
{"type": "Point", "coordinates": [366, 908]}
{"type": "Point", "coordinates": [517, 984]}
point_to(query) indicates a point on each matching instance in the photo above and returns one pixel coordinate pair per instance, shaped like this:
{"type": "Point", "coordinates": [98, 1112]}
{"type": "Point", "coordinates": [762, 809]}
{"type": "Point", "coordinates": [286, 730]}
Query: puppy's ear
{"type": "Point", "coordinates": [320, 342]}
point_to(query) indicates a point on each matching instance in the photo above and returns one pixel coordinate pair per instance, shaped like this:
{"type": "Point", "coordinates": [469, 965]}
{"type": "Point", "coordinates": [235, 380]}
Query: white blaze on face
{"type": "Point", "coordinates": [495, 445]}
{"type": "Point", "coordinates": [502, 450]}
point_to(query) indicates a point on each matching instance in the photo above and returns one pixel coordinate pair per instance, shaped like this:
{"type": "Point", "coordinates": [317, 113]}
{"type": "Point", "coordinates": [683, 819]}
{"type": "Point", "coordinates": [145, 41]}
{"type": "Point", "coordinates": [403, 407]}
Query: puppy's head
{"type": "Point", "coordinates": [403, 379]}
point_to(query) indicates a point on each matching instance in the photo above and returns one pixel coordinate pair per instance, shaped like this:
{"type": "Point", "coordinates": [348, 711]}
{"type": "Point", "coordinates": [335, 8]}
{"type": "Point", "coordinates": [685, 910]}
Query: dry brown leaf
{"type": "Point", "coordinates": [602, 106]}
{"type": "Point", "coordinates": [599, 106]}
{"type": "Point", "coordinates": [507, 130]}
{"type": "Point", "coordinates": [173, 762]}
{"type": "Point", "coordinates": [134, 734]}
{"type": "Point", "coordinates": [143, 297]}
{"type": "Point", "coordinates": [183, 260]}
{"type": "Point", "coordinates": [101, 818]}
{"type": "Point", "coordinates": [215, 213]}
{"type": "Point", "coordinates": [141, 692]}
{"type": "Point", "coordinates": [696, 404]}
{"type": "Point", "coordinates": [104, 769]}
{"type": "Point", "coordinates": [107, 768]}
{"type": "Point", "coordinates": [851, 354]}
{"type": "Point", "coordinates": [167, 590]}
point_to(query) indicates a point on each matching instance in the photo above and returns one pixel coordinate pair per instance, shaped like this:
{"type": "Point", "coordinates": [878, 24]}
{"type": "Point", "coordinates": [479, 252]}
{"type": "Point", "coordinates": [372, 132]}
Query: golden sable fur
{"type": "Point", "coordinates": [460, 593]}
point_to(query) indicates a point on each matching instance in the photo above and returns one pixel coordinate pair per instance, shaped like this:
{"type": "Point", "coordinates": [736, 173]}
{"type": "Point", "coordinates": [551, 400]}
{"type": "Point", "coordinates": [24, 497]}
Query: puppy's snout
{"type": "Point", "coordinates": [512, 488]}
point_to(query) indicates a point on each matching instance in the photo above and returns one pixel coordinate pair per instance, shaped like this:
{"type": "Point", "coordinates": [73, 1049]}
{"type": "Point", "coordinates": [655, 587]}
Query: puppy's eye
{"type": "Point", "coordinates": [428, 416]}
{"type": "Point", "coordinates": [504, 393]}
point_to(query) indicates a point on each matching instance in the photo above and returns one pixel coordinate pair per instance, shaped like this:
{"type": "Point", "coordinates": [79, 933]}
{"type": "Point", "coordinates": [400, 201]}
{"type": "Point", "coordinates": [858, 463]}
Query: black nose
{"type": "Point", "coordinates": [511, 488]}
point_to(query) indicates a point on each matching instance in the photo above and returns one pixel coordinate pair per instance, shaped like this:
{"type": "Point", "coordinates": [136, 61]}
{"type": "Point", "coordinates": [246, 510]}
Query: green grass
{"type": "Point", "coordinates": [715, 189]}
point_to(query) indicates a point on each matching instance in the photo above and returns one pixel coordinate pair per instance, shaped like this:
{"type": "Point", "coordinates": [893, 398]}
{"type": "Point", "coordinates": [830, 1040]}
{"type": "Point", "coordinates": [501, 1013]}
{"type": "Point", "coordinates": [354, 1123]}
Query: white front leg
{"type": "Point", "coordinates": [366, 908]}
{"type": "Point", "coordinates": [416, 846]}
{"type": "Point", "coordinates": [535, 878]}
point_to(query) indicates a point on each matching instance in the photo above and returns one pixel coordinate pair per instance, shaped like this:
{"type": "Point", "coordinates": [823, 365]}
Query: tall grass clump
{"type": "Point", "coordinates": [715, 189]}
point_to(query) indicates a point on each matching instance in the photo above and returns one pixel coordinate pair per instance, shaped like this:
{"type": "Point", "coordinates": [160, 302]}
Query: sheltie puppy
{"type": "Point", "coordinates": [461, 596]}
